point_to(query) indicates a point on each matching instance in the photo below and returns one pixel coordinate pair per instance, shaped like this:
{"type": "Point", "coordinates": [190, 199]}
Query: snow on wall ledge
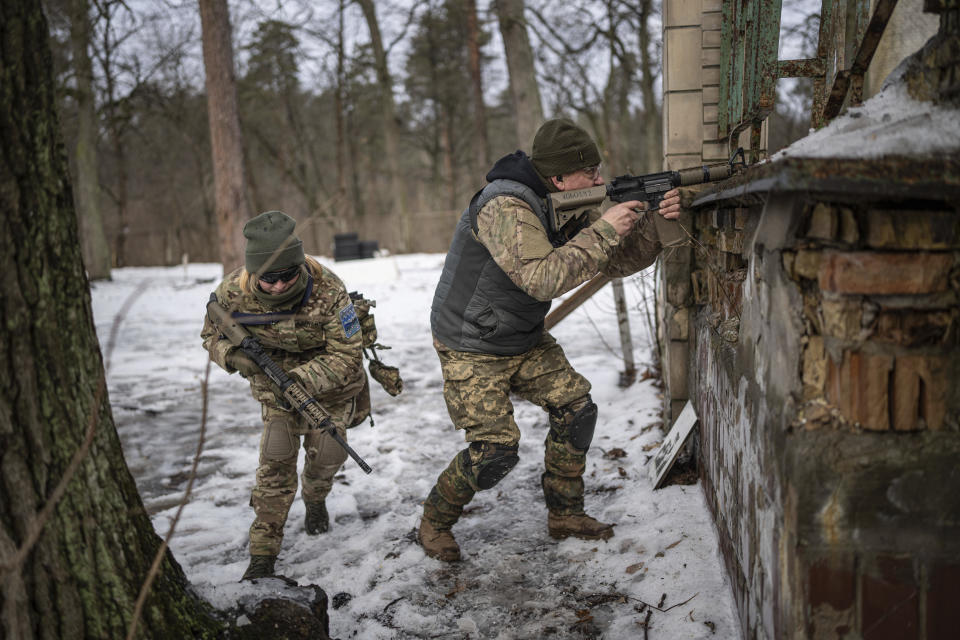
{"type": "Point", "coordinates": [889, 123]}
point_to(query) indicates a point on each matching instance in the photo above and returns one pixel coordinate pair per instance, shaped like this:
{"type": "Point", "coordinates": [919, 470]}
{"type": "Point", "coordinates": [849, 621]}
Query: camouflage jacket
{"type": "Point", "coordinates": [519, 244]}
{"type": "Point", "coordinates": [320, 344]}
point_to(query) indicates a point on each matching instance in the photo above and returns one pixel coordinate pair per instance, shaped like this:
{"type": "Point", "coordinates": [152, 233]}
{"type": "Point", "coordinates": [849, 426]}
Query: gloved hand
{"type": "Point", "coordinates": [387, 376]}
{"type": "Point", "coordinates": [242, 363]}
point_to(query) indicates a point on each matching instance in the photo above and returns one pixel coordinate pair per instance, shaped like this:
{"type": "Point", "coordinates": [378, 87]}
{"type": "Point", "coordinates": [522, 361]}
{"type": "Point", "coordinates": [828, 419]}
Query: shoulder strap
{"type": "Point", "coordinates": [270, 318]}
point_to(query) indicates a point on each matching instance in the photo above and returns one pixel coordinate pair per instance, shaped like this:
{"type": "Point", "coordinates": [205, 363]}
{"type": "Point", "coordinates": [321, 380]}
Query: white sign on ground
{"type": "Point", "coordinates": [667, 453]}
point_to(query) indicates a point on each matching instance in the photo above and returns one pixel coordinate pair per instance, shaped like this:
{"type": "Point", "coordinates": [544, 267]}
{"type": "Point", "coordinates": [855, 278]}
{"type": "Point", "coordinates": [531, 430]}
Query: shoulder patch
{"type": "Point", "coordinates": [349, 320]}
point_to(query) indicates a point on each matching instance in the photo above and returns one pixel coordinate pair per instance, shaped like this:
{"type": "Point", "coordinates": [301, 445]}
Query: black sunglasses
{"type": "Point", "coordinates": [273, 277]}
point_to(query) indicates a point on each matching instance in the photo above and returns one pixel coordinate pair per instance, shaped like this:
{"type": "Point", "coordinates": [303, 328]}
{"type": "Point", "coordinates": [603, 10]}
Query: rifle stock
{"type": "Point", "coordinates": [293, 391]}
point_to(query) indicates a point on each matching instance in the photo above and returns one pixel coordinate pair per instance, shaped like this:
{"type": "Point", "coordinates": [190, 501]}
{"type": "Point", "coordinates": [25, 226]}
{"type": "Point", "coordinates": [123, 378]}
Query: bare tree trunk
{"type": "Point", "coordinates": [96, 249]}
{"type": "Point", "coordinates": [339, 120]}
{"type": "Point", "coordinates": [225, 139]}
{"type": "Point", "coordinates": [652, 132]}
{"type": "Point", "coordinates": [523, 80]}
{"type": "Point", "coordinates": [391, 132]}
{"type": "Point", "coordinates": [76, 573]}
{"type": "Point", "coordinates": [449, 165]}
{"type": "Point", "coordinates": [115, 124]}
{"type": "Point", "coordinates": [481, 144]}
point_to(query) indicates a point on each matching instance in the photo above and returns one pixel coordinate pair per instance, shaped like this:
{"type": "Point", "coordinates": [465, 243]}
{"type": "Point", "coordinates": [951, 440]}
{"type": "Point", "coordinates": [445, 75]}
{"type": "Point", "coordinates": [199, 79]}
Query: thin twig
{"type": "Point", "coordinates": [600, 335]}
{"type": "Point", "coordinates": [679, 604]}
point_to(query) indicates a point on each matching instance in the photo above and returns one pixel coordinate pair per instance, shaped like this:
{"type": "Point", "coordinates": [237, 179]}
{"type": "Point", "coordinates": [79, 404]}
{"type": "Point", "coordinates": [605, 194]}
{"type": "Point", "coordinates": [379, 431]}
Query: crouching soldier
{"type": "Point", "coordinates": [509, 258]}
{"type": "Point", "coordinates": [304, 318]}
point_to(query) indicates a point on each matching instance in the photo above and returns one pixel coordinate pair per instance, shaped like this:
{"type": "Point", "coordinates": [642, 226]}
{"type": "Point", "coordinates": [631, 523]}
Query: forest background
{"type": "Point", "coordinates": [376, 117]}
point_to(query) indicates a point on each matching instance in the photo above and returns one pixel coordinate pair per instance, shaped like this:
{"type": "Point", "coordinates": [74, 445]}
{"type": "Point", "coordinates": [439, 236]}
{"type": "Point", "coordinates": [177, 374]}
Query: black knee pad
{"type": "Point", "coordinates": [575, 427]}
{"type": "Point", "coordinates": [489, 462]}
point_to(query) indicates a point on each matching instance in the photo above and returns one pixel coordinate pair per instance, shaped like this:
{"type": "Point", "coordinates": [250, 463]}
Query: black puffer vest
{"type": "Point", "coordinates": [477, 307]}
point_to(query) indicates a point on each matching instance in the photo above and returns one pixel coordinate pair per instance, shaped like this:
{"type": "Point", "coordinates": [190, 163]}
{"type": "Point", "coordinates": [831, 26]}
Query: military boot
{"type": "Point", "coordinates": [438, 543]}
{"type": "Point", "coordinates": [578, 525]}
{"type": "Point", "coordinates": [260, 567]}
{"type": "Point", "coordinates": [317, 520]}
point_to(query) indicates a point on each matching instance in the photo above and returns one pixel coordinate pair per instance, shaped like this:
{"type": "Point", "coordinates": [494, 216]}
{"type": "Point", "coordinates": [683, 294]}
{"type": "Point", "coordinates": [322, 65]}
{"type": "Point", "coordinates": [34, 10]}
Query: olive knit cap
{"type": "Point", "coordinates": [562, 147]}
{"type": "Point", "coordinates": [268, 233]}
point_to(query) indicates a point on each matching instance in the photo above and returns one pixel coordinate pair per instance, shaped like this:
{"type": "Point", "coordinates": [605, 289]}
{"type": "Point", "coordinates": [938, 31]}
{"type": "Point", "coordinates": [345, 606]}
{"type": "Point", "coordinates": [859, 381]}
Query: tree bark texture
{"type": "Point", "coordinates": [391, 133]}
{"type": "Point", "coordinates": [225, 138]}
{"type": "Point", "coordinates": [523, 79]}
{"type": "Point", "coordinates": [82, 576]}
{"type": "Point", "coordinates": [96, 249]}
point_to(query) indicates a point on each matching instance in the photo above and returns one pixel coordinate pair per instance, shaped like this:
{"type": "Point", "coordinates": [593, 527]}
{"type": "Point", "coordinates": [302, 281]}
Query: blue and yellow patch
{"type": "Point", "coordinates": [349, 321]}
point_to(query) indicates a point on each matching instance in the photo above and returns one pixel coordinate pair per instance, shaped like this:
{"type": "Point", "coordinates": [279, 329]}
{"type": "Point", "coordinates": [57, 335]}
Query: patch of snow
{"type": "Point", "coordinates": [889, 123]}
{"type": "Point", "coordinates": [514, 582]}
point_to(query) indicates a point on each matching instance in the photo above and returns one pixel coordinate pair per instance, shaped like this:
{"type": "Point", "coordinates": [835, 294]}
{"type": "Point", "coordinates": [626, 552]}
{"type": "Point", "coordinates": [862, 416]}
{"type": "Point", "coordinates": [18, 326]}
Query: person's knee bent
{"type": "Point", "coordinates": [487, 463]}
{"type": "Point", "coordinates": [324, 452]}
{"type": "Point", "coordinates": [279, 444]}
{"type": "Point", "coordinates": [574, 422]}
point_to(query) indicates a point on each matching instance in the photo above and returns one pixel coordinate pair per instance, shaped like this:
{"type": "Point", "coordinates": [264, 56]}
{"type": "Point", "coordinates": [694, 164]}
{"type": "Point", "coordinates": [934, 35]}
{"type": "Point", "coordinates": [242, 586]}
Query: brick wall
{"type": "Point", "coordinates": [825, 369]}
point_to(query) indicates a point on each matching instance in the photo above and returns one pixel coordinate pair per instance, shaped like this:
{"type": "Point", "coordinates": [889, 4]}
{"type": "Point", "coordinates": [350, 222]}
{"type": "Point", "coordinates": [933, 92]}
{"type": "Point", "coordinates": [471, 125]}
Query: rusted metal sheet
{"type": "Point", "coordinates": [750, 37]}
{"type": "Point", "coordinates": [726, 76]}
{"type": "Point", "coordinates": [865, 48]}
{"type": "Point", "coordinates": [811, 68]}
{"type": "Point", "coordinates": [820, 83]}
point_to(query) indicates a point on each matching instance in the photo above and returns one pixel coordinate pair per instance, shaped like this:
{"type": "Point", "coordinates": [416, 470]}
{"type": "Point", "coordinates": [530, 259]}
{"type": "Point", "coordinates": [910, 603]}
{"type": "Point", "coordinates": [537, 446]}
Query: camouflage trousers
{"type": "Point", "coordinates": [277, 472]}
{"type": "Point", "coordinates": [477, 389]}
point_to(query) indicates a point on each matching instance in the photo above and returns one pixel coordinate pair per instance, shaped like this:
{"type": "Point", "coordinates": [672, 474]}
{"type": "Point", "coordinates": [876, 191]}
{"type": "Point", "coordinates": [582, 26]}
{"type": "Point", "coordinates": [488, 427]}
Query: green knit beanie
{"type": "Point", "coordinates": [267, 233]}
{"type": "Point", "coordinates": [561, 147]}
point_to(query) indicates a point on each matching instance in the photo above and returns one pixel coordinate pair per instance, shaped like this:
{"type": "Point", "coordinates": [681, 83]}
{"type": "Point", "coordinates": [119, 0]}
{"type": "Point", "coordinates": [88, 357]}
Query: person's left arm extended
{"type": "Point", "coordinates": [640, 248]}
{"type": "Point", "coordinates": [341, 362]}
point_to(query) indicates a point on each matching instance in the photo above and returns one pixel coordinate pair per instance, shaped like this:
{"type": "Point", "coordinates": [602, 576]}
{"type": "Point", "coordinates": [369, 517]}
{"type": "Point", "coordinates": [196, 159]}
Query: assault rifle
{"type": "Point", "coordinates": [566, 205]}
{"type": "Point", "coordinates": [292, 391]}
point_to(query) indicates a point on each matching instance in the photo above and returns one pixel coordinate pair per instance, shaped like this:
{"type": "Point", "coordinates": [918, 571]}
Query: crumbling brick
{"type": "Point", "coordinates": [823, 222]}
{"type": "Point", "coordinates": [842, 317]}
{"type": "Point", "coordinates": [872, 389]}
{"type": "Point", "coordinates": [807, 264]}
{"type": "Point", "coordinates": [884, 273]}
{"type": "Point", "coordinates": [919, 392]}
{"type": "Point", "coordinates": [888, 229]}
{"type": "Point", "coordinates": [859, 387]}
{"type": "Point", "coordinates": [814, 368]}
{"type": "Point", "coordinates": [849, 230]}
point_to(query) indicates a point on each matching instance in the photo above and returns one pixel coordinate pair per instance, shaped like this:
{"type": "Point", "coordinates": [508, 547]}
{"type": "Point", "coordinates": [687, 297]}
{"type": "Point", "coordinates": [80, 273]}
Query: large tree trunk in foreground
{"type": "Point", "coordinates": [523, 79]}
{"type": "Point", "coordinates": [82, 576]}
{"type": "Point", "coordinates": [229, 180]}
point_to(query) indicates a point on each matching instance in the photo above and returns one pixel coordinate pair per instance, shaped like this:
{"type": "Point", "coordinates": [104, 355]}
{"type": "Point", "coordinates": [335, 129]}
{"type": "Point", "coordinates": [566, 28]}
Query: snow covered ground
{"type": "Point", "coordinates": [515, 582]}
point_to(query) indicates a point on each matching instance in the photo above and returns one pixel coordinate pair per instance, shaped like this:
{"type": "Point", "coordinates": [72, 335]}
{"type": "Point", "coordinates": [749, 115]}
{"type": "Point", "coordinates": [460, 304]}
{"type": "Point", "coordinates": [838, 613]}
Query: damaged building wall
{"type": "Point", "coordinates": [813, 320]}
{"type": "Point", "coordinates": [824, 371]}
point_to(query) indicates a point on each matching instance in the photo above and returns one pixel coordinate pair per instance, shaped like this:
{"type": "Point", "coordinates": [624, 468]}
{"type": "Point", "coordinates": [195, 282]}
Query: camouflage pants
{"type": "Point", "coordinates": [277, 473]}
{"type": "Point", "coordinates": [477, 389]}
